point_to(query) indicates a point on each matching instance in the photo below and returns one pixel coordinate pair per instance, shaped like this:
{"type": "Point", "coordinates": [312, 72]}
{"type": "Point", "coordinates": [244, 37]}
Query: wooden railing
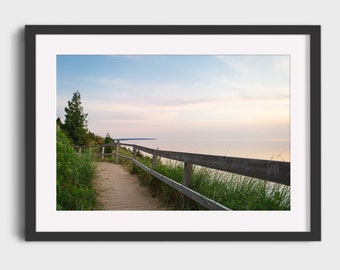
{"type": "Point", "coordinates": [268, 170]}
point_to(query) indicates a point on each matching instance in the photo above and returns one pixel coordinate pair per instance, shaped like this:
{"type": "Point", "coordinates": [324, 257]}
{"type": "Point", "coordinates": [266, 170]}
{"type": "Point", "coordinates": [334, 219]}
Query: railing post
{"type": "Point", "coordinates": [154, 162]}
{"type": "Point", "coordinates": [112, 152]}
{"type": "Point", "coordinates": [134, 152]}
{"type": "Point", "coordinates": [117, 149]}
{"type": "Point", "coordinates": [103, 151]}
{"type": "Point", "coordinates": [187, 174]}
{"type": "Point", "coordinates": [186, 180]}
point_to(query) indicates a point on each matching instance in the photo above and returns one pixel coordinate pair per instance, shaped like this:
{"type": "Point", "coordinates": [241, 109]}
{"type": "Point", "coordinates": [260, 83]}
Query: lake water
{"type": "Point", "coordinates": [271, 149]}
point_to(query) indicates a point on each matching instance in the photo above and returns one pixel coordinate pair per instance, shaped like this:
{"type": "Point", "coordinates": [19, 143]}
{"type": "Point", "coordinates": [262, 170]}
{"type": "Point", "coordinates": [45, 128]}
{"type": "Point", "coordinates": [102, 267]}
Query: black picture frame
{"type": "Point", "coordinates": [31, 142]}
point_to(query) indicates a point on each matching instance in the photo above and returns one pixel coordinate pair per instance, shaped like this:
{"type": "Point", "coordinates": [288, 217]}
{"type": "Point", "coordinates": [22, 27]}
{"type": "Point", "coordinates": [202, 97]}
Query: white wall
{"type": "Point", "coordinates": [17, 254]}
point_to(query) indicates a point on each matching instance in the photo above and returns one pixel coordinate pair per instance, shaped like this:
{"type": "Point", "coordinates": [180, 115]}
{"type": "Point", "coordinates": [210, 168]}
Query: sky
{"type": "Point", "coordinates": [187, 96]}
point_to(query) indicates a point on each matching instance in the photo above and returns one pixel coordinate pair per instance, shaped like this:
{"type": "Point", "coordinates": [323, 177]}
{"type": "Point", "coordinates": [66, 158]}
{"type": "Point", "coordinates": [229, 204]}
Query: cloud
{"type": "Point", "coordinates": [269, 69]}
{"type": "Point", "coordinates": [282, 66]}
{"type": "Point", "coordinates": [250, 94]}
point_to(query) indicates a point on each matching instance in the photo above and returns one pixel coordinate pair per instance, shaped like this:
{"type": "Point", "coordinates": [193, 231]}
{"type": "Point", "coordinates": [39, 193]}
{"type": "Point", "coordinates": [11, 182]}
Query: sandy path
{"type": "Point", "coordinates": [120, 190]}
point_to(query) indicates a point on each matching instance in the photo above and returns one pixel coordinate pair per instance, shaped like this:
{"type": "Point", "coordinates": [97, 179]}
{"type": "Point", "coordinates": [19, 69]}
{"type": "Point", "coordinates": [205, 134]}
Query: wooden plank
{"type": "Point", "coordinates": [122, 156]}
{"type": "Point", "coordinates": [197, 197]}
{"type": "Point", "coordinates": [270, 170]}
{"type": "Point", "coordinates": [146, 149]}
{"type": "Point", "coordinates": [106, 144]}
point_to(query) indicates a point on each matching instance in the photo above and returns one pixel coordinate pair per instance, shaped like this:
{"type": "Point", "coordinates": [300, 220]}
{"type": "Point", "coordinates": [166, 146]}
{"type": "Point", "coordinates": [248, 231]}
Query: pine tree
{"type": "Point", "coordinates": [75, 124]}
{"type": "Point", "coordinates": [59, 123]}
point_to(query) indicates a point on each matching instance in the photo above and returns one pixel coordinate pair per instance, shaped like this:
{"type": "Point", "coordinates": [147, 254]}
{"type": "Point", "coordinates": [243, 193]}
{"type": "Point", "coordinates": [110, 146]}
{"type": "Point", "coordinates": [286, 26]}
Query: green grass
{"type": "Point", "coordinates": [234, 191]}
{"type": "Point", "coordinates": [240, 192]}
{"type": "Point", "coordinates": [75, 174]}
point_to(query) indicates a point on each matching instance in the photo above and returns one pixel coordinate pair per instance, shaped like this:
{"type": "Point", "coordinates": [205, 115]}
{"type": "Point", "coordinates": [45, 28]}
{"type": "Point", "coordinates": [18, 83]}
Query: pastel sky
{"type": "Point", "coordinates": [160, 96]}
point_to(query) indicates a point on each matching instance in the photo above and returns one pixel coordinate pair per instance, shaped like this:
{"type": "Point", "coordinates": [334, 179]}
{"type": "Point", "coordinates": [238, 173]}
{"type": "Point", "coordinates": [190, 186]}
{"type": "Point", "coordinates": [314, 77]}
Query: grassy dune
{"type": "Point", "coordinates": [234, 191]}
{"type": "Point", "coordinates": [75, 173]}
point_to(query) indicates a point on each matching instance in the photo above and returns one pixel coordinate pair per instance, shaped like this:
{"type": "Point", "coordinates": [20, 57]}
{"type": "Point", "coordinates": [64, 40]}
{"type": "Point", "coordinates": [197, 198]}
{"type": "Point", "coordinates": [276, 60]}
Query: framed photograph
{"type": "Point", "coordinates": [173, 133]}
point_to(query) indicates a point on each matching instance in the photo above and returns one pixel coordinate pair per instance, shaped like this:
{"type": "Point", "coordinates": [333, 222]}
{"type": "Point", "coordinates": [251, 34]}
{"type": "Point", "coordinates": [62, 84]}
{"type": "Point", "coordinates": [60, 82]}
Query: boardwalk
{"type": "Point", "coordinates": [120, 190]}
